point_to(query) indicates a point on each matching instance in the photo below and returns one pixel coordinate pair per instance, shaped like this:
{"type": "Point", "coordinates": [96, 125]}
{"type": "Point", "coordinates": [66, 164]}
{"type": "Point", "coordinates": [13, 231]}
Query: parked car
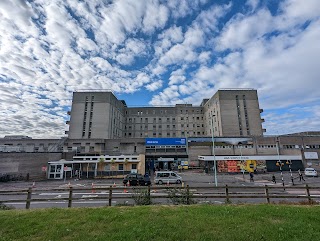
{"type": "Point", "coordinates": [161, 177]}
{"type": "Point", "coordinates": [310, 172]}
{"type": "Point", "coordinates": [137, 180]}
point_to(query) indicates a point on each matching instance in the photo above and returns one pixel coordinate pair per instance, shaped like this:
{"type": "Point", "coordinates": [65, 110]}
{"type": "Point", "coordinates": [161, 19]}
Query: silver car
{"type": "Point", "coordinates": [167, 177]}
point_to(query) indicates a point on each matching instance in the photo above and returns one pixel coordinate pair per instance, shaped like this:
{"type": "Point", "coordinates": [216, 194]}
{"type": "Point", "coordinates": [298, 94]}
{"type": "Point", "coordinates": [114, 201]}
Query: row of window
{"type": "Point", "coordinates": [168, 119]}
{"type": "Point", "coordinates": [110, 167]}
{"type": "Point", "coordinates": [162, 126]}
{"type": "Point", "coordinates": [173, 134]}
{"type": "Point", "coordinates": [147, 112]}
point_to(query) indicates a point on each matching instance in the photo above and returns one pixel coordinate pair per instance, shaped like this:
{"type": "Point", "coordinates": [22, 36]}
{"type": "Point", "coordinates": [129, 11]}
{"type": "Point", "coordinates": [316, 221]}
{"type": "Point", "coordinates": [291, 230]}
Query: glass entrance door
{"type": "Point", "coordinates": [55, 171]}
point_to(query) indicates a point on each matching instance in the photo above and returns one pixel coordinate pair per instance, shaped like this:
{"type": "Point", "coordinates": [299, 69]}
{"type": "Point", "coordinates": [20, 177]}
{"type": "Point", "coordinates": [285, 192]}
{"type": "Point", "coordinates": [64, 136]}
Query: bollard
{"type": "Point", "coordinates": [70, 198]}
{"type": "Point", "coordinates": [110, 196]}
{"type": "Point", "coordinates": [28, 198]}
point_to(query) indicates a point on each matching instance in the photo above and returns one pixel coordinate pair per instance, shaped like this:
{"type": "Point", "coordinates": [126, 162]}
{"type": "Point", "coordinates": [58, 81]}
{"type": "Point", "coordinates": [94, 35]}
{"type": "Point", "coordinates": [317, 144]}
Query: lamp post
{"type": "Point", "coordinates": [241, 161]}
{"type": "Point", "coordinates": [214, 155]}
{"type": "Point", "coordinates": [279, 163]}
{"type": "Point", "coordinates": [289, 162]}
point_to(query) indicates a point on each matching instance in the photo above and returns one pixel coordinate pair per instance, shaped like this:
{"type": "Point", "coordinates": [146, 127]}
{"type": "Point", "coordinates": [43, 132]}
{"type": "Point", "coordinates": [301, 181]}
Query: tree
{"type": "Point", "coordinates": [125, 165]}
{"type": "Point", "coordinates": [112, 166]}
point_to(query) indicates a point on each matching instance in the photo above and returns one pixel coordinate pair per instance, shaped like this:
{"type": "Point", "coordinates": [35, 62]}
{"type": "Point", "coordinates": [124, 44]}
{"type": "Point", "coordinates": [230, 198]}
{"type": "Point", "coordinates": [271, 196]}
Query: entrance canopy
{"type": "Point", "coordinates": [262, 158]}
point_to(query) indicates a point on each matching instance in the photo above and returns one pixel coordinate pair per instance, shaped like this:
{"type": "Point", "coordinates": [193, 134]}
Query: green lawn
{"type": "Point", "coordinates": [198, 222]}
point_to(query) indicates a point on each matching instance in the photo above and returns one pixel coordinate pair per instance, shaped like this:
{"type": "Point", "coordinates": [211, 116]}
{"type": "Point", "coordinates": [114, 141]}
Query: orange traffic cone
{"type": "Point", "coordinates": [125, 189]}
{"type": "Point", "coordinates": [153, 191]}
{"type": "Point", "coordinates": [33, 184]}
{"type": "Point", "coordinates": [128, 183]}
{"type": "Point", "coordinates": [92, 185]}
{"type": "Point", "coordinates": [114, 184]}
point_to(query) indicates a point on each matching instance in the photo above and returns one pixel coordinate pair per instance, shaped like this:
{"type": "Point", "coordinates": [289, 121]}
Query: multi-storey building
{"type": "Point", "coordinates": [96, 115]}
{"type": "Point", "coordinates": [233, 112]}
{"type": "Point", "coordinates": [100, 115]}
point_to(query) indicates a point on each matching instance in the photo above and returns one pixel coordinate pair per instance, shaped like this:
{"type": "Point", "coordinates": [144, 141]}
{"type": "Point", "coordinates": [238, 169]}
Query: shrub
{"type": "Point", "coordinates": [141, 197]}
{"type": "Point", "coordinates": [5, 207]}
{"type": "Point", "coordinates": [181, 196]}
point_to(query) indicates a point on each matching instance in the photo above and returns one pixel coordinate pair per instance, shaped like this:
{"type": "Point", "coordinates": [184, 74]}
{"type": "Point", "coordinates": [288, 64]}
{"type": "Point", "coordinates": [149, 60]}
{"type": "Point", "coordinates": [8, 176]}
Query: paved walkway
{"type": "Point", "coordinates": [191, 177]}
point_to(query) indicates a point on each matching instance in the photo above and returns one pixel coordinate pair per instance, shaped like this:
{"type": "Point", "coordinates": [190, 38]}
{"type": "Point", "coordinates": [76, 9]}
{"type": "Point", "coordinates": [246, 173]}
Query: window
{"type": "Point", "coordinates": [134, 166]}
{"type": "Point", "coordinates": [120, 167]}
{"type": "Point", "coordinates": [107, 167]}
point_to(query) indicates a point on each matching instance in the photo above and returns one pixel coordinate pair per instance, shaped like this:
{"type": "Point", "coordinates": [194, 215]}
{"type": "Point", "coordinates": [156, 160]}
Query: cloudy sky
{"type": "Point", "coordinates": [152, 52]}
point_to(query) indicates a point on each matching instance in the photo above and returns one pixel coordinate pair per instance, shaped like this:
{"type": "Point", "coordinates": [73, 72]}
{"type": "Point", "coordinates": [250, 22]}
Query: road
{"type": "Point", "coordinates": [200, 185]}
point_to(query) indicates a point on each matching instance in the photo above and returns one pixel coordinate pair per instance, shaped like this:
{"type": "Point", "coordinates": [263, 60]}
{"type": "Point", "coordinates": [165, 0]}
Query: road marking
{"type": "Point", "coordinates": [84, 196]}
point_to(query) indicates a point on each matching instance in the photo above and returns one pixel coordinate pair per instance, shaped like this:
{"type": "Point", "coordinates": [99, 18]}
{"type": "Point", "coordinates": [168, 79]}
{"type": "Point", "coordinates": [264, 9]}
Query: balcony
{"type": "Point", "coordinates": [264, 130]}
{"type": "Point", "coordinates": [69, 112]}
{"type": "Point", "coordinates": [262, 120]}
{"type": "Point", "coordinates": [66, 132]}
{"type": "Point", "coordinates": [261, 110]}
{"type": "Point", "coordinates": [67, 122]}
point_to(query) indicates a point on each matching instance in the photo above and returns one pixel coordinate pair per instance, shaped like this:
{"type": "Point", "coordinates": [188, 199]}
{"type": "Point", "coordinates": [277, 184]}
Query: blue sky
{"type": "Point", "coordinates": [151, 52]}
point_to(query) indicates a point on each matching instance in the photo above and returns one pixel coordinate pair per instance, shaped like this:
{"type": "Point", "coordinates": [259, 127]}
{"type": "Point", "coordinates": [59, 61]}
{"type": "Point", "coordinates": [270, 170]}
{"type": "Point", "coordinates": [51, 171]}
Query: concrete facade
{"type": "Point", "coordinates": [24, 163]}
{"type": "Point", "coordinates": [306, 146]}
{"type": "Point", "coordinates": [96, 115]}
{"type": "Point", "coordinates": [100, 115]}
{"type": "Point", "coordinates": [234, 112]}
{"type": "Point", "coordinates": [31, 145]}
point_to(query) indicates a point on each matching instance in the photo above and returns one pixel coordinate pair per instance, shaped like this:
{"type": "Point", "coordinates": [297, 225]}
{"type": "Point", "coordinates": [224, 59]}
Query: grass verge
{"type": "Point", "coordinates": [197, 222]}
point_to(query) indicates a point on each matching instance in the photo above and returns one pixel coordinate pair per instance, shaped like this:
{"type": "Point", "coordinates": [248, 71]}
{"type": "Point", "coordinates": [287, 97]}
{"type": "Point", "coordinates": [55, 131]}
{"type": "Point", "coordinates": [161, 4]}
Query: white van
{"type": "Point", "coordinates": [161, 177]}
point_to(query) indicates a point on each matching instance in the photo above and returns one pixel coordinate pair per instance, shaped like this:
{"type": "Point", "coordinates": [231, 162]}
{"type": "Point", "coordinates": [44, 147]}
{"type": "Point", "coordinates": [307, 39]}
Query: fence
{"type": "Point", "coordinates": [226, 193]}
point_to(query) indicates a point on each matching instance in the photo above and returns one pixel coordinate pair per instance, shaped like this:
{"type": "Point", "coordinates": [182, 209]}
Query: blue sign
{"type": "Point", "coordinates": [165, 141]}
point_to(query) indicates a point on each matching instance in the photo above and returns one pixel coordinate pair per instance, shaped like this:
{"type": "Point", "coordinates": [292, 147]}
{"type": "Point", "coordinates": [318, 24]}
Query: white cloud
{"type": "Point", "coordinates": [176, 49]}
{"type": "Point", "coordinates": [252, 4]}
{"type": "Point", "coordinates": [156, 16]}
{"type": "Point", "coordinates": [177, 77]}
{"type": "Point", "coordinates": [242, 30]}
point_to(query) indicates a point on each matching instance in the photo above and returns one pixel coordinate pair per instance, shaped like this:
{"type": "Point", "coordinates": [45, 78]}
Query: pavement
{"type": "Point", "coordinates": [190, 177]}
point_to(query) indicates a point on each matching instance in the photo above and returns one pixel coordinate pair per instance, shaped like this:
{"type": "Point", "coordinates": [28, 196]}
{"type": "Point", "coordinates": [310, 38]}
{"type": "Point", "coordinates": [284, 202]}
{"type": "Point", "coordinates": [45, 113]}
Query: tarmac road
{"type": "Point", "coordinates": [192, 178]}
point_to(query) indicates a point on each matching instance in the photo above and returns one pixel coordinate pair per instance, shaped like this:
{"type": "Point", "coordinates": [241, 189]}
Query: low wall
{"type": "Point", "coordinates": [24, 163]}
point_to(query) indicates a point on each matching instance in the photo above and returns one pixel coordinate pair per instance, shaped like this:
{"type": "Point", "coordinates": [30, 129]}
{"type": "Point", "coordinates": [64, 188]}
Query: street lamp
{"type": "Point", "coordinates": [279, 163]}
{"type": "Point", "coordinates": [214, 155]}
{"type": "Point", "coordinates": [289, 162]}
{"type": "Point", "coordinates": [241, 161]}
